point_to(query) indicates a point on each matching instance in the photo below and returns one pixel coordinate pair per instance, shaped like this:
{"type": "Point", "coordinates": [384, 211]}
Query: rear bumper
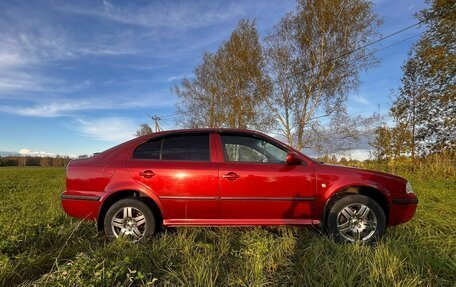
{"type": "Point", "coordinates": [80, 204]}
{"type": "Point", "coordinates": [402, 209]}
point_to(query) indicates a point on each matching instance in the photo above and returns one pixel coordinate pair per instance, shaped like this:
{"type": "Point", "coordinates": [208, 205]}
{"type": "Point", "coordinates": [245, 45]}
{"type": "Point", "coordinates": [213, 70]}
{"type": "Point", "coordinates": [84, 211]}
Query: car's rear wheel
{"type": "Point", "coordinates": [129, 218]}
{"type": "Point", "coordinates": [356, 218]}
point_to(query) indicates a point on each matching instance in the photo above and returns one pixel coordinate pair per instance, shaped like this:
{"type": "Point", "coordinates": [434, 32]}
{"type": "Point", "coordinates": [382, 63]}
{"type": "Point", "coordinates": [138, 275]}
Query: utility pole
{"type": "Point", "coordinates": [156, 120]}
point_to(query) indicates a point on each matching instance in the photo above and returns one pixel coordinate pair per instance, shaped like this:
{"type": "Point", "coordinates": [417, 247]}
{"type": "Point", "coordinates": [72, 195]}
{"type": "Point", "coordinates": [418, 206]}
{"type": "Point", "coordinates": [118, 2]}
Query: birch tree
{"type": "Point", "coordinates": [231, 86]}
{"type": "Point", "coordinates": [314, 59]}
{"type": "Point", "coordinates": [425, 105]}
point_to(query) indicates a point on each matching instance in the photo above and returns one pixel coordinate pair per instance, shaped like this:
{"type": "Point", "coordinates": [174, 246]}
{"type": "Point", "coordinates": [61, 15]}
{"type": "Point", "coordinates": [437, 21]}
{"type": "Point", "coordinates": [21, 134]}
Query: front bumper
{"type": "Point", "coordinates": [402, 209]}
{"type": "Point", "coordinates": [81, 205]}
{"type": "Point", "coordinates": [405, 201]}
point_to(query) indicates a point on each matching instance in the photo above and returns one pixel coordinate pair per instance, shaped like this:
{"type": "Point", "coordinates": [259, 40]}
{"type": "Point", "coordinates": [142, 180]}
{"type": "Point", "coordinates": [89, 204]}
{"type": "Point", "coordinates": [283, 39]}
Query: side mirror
{"type": "Point", "coordinates": [293, 159]}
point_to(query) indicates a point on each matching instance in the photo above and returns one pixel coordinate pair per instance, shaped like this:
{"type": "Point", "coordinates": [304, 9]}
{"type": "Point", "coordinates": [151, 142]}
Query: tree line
{"type": "Point", "coordinates": [294, 82]}
{"type": "Point", "coordinates": [34, 161]}
{"type": "Point", "coordinates": [287, 83]}
{"type": "Point", "coordinates": [284, 84]}
{"type": "Point", "coordinates": [424, 107]}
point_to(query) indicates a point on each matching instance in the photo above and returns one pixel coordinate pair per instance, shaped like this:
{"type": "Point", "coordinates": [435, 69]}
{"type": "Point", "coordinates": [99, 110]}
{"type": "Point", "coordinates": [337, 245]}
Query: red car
{"type": "Point", "coordinates": [229, 177]}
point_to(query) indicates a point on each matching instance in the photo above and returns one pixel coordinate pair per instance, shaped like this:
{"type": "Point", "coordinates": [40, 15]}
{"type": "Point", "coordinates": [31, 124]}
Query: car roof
{"type": "Point", "coordinates": [196, 130]}
{"type": "Point", "coordinates": [212, 130]}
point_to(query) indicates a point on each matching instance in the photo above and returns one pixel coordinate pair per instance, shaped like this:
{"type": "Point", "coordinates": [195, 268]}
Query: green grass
{"type": "Point", "coordinates": [41, 246]}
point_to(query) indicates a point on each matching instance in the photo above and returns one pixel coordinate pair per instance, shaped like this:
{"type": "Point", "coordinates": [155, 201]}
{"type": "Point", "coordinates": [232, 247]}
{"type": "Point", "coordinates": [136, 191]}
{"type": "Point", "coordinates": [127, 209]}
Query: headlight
{"type": "Point", "coordinates": [408, 188]}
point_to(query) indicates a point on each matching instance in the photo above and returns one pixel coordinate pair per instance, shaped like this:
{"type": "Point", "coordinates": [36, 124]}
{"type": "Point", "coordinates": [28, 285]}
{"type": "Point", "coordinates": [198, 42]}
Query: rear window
{"type": "Point", "coordinates": [193, 147]}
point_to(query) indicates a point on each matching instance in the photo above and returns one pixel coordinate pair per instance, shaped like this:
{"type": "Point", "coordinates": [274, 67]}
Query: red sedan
{"type": "Point", "coordinates": [229, 177]}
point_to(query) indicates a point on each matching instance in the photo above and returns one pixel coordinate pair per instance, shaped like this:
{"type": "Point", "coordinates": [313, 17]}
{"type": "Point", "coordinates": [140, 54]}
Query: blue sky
{"type": "Point", "coordinates": [77, 77]}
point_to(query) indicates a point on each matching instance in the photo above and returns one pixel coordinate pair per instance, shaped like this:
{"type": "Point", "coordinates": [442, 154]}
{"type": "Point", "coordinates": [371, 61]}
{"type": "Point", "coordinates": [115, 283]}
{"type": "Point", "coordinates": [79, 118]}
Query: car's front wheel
{"type": "Point", "coordinates": [129, 218]}
{"type": "Point", "coordinates": [356, 218]}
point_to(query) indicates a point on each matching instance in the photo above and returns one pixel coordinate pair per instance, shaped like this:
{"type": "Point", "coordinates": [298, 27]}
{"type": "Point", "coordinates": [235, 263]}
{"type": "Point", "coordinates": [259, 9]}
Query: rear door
{"type": "Point", "coordinates": [181, 170]}
{"type": "Point", "coordinates": [257, 184]}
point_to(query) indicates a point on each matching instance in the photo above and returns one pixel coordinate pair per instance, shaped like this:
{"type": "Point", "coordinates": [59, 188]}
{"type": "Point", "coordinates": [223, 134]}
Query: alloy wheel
{"type": "Point", "coordinates": [130, 223]}
{"type": "Point", "coordinates": [356, 222]}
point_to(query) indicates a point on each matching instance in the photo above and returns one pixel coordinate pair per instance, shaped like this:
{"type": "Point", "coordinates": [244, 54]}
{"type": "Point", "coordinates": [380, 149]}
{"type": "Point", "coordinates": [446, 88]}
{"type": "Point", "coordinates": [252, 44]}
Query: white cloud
{"type": "Point", "coordinates": [30, 42]}
{"type": "Point", "coordinates": [108, 5]}
{"type": "Point", "coordinates": [39, 40]}
{"type": "Point", "coordinates": [360, 99]}
{"type": "Point", "coordinates": [10, 59]}
{"type": "Point", "coordinates": [29, 152]}
{"type": "Point", "coordinates": [355, 154]}
{"type": "Point", "coordinates": [179, 77]}
{"type": "Point", "coordinates": [30, 81]}
{"type": "Point", "coordinates": [46, 110]}
{"type": "Point", "coordinates": [162, 15]}
{"type": "Point", "coordinates": [58, 108]}
{"type": "Point", "coordinates": [111, 129]}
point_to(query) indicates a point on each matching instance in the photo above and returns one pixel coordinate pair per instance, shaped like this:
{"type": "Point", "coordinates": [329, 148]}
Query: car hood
{"type": "Point", "coordinates": [358, 170]}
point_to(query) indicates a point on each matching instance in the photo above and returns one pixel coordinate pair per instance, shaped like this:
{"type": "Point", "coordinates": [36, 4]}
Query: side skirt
{"type": "Point", "coordinates": [238, 222]}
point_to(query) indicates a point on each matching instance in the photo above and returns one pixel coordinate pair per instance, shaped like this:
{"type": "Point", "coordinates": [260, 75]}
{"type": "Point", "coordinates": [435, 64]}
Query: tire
{"type": "Point", "coordinates": [356, 218]}
{"type": "Point", "coordinates": [129, 218]}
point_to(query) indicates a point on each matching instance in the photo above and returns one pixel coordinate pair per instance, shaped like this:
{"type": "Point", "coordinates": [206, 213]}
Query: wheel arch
{"type": "Point", "coordinates": [370, 191]}
{"type": "Point", "coordinates": [125, 193]}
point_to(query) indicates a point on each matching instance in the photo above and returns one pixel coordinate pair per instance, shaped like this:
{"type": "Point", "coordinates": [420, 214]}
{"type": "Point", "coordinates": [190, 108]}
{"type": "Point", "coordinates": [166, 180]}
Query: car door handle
{"type": "Point", "coordinates": [231, 176]}
{"type": "Point", "coordinates": [147, 174]}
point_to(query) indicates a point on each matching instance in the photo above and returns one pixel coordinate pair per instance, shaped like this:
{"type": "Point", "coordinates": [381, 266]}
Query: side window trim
{"type": "Point", "coordinates": [162, 140]}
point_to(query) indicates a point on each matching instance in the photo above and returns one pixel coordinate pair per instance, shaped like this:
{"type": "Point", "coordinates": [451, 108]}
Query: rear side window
{"type": "Point", "coordinates": [186, 147]}
{"type": "Point", "coordinates": [193, 147]}
{"type": "Point", "coordinates": [148, 150]}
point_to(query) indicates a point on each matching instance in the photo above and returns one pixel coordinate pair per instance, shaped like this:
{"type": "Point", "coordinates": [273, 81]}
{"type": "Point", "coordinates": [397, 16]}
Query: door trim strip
{"type": "Point", "coordinates": [189, 197]}
{"type": "Point", "coordinates": [270, 198]}
{"type": "Point", "coordinates": [237, 198]}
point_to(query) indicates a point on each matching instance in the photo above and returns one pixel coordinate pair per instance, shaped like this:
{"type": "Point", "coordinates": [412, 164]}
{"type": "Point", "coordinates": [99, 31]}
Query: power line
{"type": "Point", "coordinates": [339, 57]}
{"type": "Point", "coordinates": [320, 64]}
{"type": "Point", "coordinates": [166, 125]}
{"type": "Point", "coordinates": [173, 115]}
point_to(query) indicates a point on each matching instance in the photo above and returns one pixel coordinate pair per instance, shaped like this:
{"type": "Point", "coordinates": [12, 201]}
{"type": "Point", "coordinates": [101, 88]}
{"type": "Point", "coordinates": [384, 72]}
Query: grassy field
{"type": "Point", "coordinates": [41, 246]}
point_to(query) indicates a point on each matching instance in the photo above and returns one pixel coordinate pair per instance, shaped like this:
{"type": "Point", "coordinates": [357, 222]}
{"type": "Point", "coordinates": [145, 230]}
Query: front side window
{"type": "Point", "coordinates": [245, 148]}
{"type": "Point", "coordinates": [193, 147]}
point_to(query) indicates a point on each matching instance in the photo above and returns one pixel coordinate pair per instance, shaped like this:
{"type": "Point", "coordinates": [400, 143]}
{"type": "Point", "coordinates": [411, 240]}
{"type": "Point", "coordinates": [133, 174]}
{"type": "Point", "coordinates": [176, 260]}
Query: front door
{"type": "Point", "coordinates": [180, 170]}
{"type": "Point", "coordinates": [257, 185]}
